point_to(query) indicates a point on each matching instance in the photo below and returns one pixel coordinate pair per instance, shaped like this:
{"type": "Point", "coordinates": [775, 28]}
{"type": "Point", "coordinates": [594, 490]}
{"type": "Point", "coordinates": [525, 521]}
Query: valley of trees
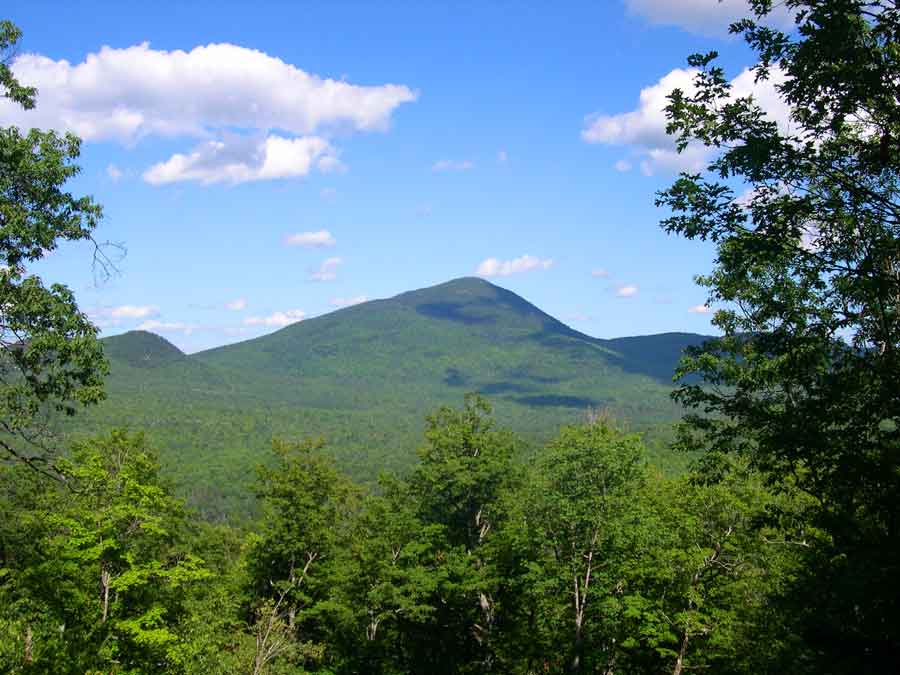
{"type": "Point", "coordinates": [777, 551]}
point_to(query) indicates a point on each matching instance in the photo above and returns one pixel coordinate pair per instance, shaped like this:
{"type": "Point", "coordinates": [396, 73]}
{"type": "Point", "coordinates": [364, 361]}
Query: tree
{"type": "Point", "coordinates": [708, 581]}
{"type": "Point", "coordinates": [103, 580]}
{"type": "Point", "coordinates": [804, 381]}
{"type": "Point", "coordinates": [50, 359]}
{"type": "Point", "coordinates": [308, 509]}
{"type": "Point", "coordinates": [465, 465]}
{"type": "Point", "coordinates": [579, 518]}
{"type": "Point", "coordinates": [386, 588]}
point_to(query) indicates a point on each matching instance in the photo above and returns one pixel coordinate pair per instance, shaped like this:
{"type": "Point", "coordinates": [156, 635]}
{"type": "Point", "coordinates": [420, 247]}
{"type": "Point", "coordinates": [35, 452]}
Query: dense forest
{"type": "Point", "coordinates": [775, 551]}
{"type": "Point", "coordinates": [583, 560]}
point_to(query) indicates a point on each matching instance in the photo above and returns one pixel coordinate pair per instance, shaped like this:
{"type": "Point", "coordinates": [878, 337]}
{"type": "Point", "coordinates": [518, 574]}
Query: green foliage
{"type": "Point", "coordinates": [806, 374]}
{"type": "Point", "coordinates": [307, 510]}
{"type": "Point", "coordinates": [12, 89]}
{"type": "Point", "coordinates": [387, 585]}
{"type": "Point", "coordinates": [713, 577]}
{"type": "Point", "coordinates": [578, 521]}
{"type": "Point", "coordinates": [577, 561]}
{"type": "Point", "coordinates": [464, 464]}
{"type": "Point", "coordinates": [95, 573]}
{"type": "Point", "coordinates": [50, 359]}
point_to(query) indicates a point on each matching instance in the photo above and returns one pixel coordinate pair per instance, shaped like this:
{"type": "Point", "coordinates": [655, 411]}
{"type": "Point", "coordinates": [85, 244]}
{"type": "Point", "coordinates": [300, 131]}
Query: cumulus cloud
{"type": "Point", "coordinates": [106, 317]}
{"type": "Point", "coordinates": [643, 130]}
{"type": "Point", "coordinates": [700, 309]}
{"type": "Point", "coordinates": [126, 94]}
{"type": "Point", "coordinates": [627, 291]}
{"type": "Point", "coordinates": [242, 160]}
{"type": "Point", "coordinates": [600, 273]}
{"type": "Point", "coordinates": [316, 239]}
{"type": "Point", "coordinates": [166, 327]}
{"type": "Point", "coordinates": [492, 267]}
{"type": "Point", "coordinates": [131, 311]}
{"type": "Point", "coordinates": [453, 165]}
{"type": "Point", "coordinates": [104, 323]}
{"type": "Point", "coordinates": [327, 270]}
{"type": "Point", "coordinates": [276, 319]}
{"type": "Point", "coordinates": [706, 17]}
{"type": "Point", "coordinates": [347, 302]}
{"type": "Point", "coordinates": [236, 305]}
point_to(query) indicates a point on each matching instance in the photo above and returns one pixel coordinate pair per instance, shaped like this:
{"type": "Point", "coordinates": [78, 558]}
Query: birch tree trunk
{"type": "Point", "coordinates": [105, 578]}
{"type": "Point", "coordinates": [29, 646]}
{"type": "Point", "coordinates": [679, 662]}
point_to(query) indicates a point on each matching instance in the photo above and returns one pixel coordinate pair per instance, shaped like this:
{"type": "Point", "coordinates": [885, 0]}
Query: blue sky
{"type": "Point", "coordinates": [265, 162]}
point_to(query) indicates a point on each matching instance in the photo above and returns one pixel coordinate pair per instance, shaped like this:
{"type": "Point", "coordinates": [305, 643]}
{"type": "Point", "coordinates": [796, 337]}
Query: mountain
{"type": "Point", "coordinates": [365, 377]}
{"type": "Point", "coordinates": [141, 349]}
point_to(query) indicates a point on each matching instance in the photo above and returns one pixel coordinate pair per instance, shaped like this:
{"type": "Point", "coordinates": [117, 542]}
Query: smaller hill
{"type": "Point", "coordinates": [141, 349]}
{"type": "Point", "coordinates": [653, 355]}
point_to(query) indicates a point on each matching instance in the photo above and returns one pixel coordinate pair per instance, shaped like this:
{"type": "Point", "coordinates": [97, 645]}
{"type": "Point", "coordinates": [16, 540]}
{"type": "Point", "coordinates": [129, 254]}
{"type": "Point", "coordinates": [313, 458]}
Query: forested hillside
{"type": "Point", "coordinates": [365, 377]}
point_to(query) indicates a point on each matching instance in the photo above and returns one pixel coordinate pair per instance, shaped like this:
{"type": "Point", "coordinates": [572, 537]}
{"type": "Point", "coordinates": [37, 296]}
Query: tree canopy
{"type": "Point", "coordinates": [50, 360]}
{"type": "Point", "coordinates": [805, 218]}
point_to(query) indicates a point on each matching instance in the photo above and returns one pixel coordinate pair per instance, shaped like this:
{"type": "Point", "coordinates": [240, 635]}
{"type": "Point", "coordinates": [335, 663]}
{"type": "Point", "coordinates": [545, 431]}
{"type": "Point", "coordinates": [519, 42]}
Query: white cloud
{"type": "Point", "coordinates": [105, 323]}
{"type": "Point", "coordinates": [327, 270]}
{"type": "Point", "coordinates": [330, 164]}
{"type": "Point", "coordinates": [600, 273]}
{"type": "Point", "coordinates": [626, 291]}
{"type": "Point", "coordinates": [646, 125]}
{"type": "Point", "coordinates": [347, 302]}
{"type": "Point", "coordinates": [131, 311]}
{"type": "Point", "coordinates": [700, 309]}
{"type": "Point", "coordinates": [241, 160]}
{"type": "Point", "coordinates": [492, 267]}
{"type": "Point", "coordinates": [315, 239]}
{"type": "Point", "coordinates": [623, 166]}
{"type": "Point", "coordinates": [126, 94]}
{"type": "Point", "coordinates": [278, 319]}
{"type": "Point", "coordinates": [166, 327]}
{"type": "Point", "coordinates": [453, 165]}
{"type": "Point", "coordinates": [643, 130]}
{"type": "Point", "coordinates": [502, 156]}
{"type": "Point", "coordinates": [707, 17]}
{"type": "Point", "coordinates": [114, 172]}
{"type": "Point", "coordinates": [236, 305]}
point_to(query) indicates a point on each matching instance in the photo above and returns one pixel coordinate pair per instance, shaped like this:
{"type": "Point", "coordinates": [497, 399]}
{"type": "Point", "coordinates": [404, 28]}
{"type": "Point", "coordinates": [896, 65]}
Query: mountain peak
{"type": "Point", "coordinates": [474, 301]}
{"type": "Point", "coordinates": [460, 285]}
{"type": "Point", "coordinates": [141, 349]}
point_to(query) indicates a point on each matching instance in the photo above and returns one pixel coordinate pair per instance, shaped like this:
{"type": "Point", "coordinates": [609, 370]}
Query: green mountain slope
{"type": "Point", "coordinates": [365, 376]}
{"type": "Point", "coordinates": [141, 349]}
